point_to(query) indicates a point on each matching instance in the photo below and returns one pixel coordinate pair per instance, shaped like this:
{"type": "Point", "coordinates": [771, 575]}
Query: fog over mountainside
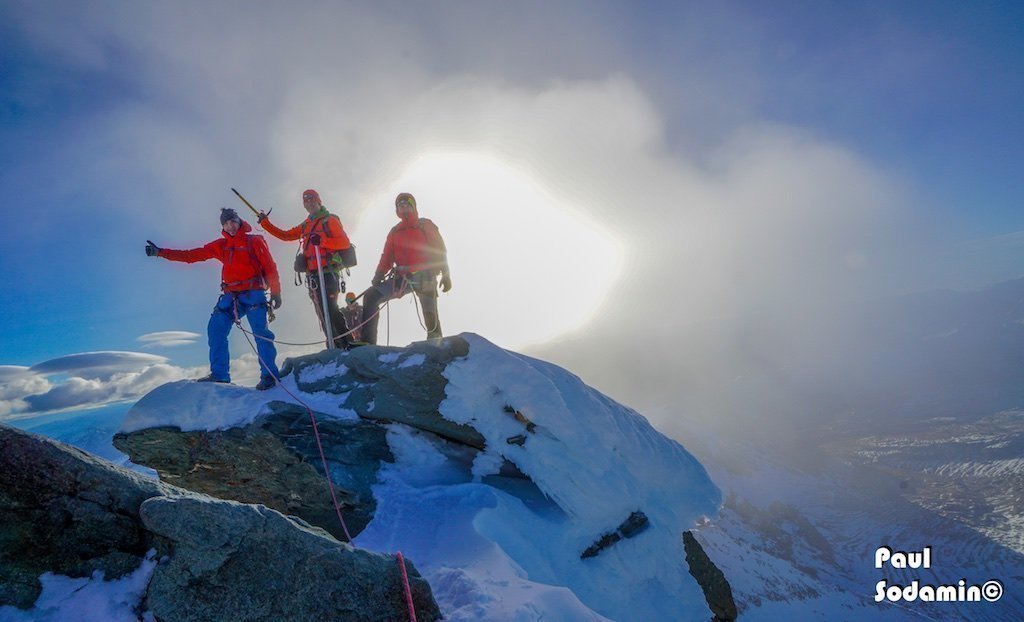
{"type": "Point", "coordinates": [834, 429]}
{"type": "Point", "coordinates": [806, 369]}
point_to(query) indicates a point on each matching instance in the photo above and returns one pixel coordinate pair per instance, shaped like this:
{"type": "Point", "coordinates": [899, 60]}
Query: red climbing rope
{"type": "Point", "coordinates": [408, 590]}
{"type": "Point", "coordinates": [327, 473]}
{"type": "Point", "coordinates": [312, 418]}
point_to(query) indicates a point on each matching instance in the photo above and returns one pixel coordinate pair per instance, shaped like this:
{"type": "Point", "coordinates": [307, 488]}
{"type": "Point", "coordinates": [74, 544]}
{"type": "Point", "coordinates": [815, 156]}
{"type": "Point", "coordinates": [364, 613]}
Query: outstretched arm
{"type": "Point", "coordinates": [281, 234]}
{"type": "Point", "coordinates": [192, 255]}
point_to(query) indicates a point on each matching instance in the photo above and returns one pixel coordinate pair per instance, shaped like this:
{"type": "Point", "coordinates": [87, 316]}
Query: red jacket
{"type": "Point", "coordinates": [414, 245]}
{"type": "Point", "coordinates": [332, 237]}
{"type": "Point", "coordinates": [246, 258]}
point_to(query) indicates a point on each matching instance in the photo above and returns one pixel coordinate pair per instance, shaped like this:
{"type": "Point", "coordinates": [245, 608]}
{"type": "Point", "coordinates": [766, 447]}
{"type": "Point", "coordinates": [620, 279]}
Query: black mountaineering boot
{"type": "Point", "coordinates": [210, 378]}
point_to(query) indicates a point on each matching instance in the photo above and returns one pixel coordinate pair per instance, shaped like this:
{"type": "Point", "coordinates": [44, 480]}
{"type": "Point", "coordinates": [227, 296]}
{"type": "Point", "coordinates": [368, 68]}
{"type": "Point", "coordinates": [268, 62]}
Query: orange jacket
{"type": "Point", "coordinates": [246, 258]}
{"type": "Point", "coordinates": [413, 245]}
{"type": "Point", "coordinates": [332, 237]}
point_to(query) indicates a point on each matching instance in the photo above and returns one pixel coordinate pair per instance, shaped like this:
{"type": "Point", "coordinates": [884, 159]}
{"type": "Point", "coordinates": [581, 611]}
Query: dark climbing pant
{"type": "Point", "coordinates": [424, 284]}
{"type": "Point", "coordinates": [333, 285]}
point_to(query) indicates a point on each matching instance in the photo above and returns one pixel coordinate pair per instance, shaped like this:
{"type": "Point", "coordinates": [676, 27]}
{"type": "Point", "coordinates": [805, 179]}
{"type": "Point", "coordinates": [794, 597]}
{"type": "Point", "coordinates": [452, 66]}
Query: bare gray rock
{"type": "Point", "coordinates": [274, 461]}
{"type": "Point", "coordinates": [254, 563]}
{"type": "Point", "coordinates": [66, 511]}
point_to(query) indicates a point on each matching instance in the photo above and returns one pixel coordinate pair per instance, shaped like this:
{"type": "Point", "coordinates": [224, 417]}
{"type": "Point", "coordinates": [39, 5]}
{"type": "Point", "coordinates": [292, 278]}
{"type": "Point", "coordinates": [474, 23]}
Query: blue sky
{"type": "Point", "coordinates": [751, 154]}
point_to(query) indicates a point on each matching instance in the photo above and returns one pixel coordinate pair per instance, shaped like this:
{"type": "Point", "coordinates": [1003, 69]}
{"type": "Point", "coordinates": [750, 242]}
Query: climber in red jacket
{"type": "Point", "coordinates": [320, 233]}
{"type": "Point", "coordinates": [414, 256]}
{"type": "Point", "coordinates": [248, 271]}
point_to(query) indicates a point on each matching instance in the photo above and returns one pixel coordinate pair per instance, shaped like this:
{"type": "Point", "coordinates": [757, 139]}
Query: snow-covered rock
{"type": "Point", "coordinates": [520, 492]}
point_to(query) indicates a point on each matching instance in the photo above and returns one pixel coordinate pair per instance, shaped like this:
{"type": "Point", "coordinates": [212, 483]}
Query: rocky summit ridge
{"type": "Point", "coordinates": [242, 490]}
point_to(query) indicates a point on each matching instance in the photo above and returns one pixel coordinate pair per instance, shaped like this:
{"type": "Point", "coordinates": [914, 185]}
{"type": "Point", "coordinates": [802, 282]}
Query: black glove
{"type": "Point", "coordinates": [377, 279]}
{"type": "Point", "coordinates": [314, 239]}
{"type": "Point", "coordinates": [152, 250]}
{"type": "Point", "coordinates": [275, 300]}
{"type": "Point", "coordinates": [446, 282]}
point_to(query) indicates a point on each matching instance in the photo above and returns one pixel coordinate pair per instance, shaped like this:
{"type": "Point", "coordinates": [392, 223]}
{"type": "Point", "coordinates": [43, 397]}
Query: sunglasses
{"type": "Point", "coordinates": [307, 197]}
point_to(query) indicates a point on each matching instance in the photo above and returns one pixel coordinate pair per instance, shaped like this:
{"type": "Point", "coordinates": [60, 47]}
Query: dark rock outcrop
{"type": "Point", "coordinates": [274, 462]}
{"type": "Point", "coordinates": [65, 511]}
{"type": "Point", "coordinates": [716, 588]}
{"type": "Point", "coordinates": [68, 512]}
{"type": "Point", "coordinates": [634, 524]}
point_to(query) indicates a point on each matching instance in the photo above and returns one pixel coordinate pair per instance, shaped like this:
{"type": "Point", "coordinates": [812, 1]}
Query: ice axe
{"type": "Point", "coordinates": [249, 205]}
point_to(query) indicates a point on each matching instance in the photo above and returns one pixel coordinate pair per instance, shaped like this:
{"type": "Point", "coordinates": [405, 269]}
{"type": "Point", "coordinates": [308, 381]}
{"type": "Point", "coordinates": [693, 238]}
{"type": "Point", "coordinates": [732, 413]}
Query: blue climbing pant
{"type": "Point", "coordinates": [251, 304]}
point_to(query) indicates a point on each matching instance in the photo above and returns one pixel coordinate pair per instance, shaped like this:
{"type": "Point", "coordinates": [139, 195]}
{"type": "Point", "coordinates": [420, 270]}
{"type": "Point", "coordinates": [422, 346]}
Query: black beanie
{"type": "Point", "coordinates": [226, 214]}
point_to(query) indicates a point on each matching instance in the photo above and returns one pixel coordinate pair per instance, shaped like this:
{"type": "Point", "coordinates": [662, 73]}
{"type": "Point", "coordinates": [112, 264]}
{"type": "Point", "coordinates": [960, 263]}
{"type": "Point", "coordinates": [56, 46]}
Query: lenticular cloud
{"type": "Point", "coordinates": [97, 365]}
{"type": "Point", "coordinates": [169, 338]}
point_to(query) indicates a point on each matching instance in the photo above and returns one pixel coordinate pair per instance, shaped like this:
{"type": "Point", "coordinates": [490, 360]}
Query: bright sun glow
{"type": "Point", "coordinates": [526, 267]}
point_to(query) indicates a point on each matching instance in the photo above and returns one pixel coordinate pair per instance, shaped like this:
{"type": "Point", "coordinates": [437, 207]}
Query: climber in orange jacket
{"type": "Point", "coordinates": [320, 232]}
{"type": "Point", "coordinates": [414, 256]}
{"type": "Point", "coordinates": [248, 271]}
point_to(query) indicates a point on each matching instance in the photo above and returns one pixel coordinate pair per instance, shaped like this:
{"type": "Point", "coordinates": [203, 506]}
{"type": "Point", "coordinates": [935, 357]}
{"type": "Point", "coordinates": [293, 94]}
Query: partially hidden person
{"type": "Point", "coordinates": [353, 312]}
